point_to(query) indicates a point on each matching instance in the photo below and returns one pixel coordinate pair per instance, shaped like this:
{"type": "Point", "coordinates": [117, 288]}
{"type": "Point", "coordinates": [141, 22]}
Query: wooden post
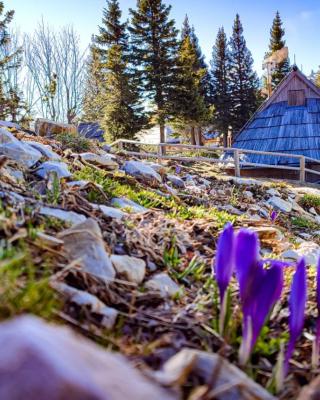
{"type": "Point", "coordinates": [120, 146]}
{"type": "Point", "coordinates": [159, 153]}
{"type": "Point", "coordinates": [236, 163]}
{"type": "Point", "coordinates": [302, 169]}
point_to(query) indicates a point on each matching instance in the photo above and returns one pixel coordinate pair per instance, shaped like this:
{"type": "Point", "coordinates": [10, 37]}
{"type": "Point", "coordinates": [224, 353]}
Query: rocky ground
{"type": "Point", "coordinates": [121, 251]}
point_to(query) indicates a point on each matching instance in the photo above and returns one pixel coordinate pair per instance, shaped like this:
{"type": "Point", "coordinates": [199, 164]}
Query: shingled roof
{"type": "Point", "coordinates": [288, 122]}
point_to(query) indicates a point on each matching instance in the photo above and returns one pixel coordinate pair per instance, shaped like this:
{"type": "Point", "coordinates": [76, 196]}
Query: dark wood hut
{"type": "Point", "coordinates": [288, 122]}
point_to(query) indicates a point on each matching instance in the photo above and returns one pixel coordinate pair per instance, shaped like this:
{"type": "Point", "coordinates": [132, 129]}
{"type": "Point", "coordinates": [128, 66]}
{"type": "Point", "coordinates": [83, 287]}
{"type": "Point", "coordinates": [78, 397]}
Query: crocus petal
{"type": "Point", "coordinates": [318, 287]}
{"type": "Point", "coordinates": [266, 289]}
{"type": "Point", "coordinates": [273, 216]}
{"type": "Point", "coordinates": [297, 303]}
{"type": "Point", "coordinates": [246, 258]}
{"type": "Point", "coordinates": [224, 263]}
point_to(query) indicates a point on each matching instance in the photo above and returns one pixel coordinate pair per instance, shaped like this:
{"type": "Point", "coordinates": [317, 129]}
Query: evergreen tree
{"type": "Point", "coordinates": [277, 42]}
{"type": "Point", "coordinates": [242, 79]}
{"type": "Point", "coordinates": [154, 48]}
{"type": "Point", "coordinates": [206, 84]}
{"type": "Point", "coordinates": [11, 103]}
{"type": "Point", "coordinates": [220, 68]}
{"type": "Point", "coordinates": [190, 105]}
{"type": "Point", "coordinates": [112, 88]}
{"type": "Point", "coordinates": [316, 78]}
{"type": "Point", "coordinates": [95, 84]}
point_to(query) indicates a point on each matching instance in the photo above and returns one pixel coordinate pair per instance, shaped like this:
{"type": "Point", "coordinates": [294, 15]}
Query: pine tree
{"type": "Point", "coordinates": [220, 68]}
{"type": "Point", "coordinates": [277, 42]}
{"type": "Point", "coordinates": [154, 48]}
{"type": "Point", "coordinates": [11, 103]}
{"type": "Point", "coordinates": [190, 105]}
{"type": "Point", "coordinates": [206, 84]}
{"type": "Point", "coordinates": [316, 78]}
{"type": "Point", "coordinates": [112, 89]}
{"type": "Point", "coordinates": [242, 79]}
{"type": "Point", "coordinates": [95, 84]}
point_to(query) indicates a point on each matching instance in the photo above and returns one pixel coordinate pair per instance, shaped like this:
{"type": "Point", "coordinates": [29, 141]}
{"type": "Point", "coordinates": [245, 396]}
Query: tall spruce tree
{"type": "Point", "coordinates": [277, 42]}
{"type": "Point", "coordinates": [154, 48]}
{"type": "Point", "coordinates": [206, 84]}
{"type": "Point", "coordinates": [11, 103]}
{"type": "Point", "coordinates": [220, 69]}
{"type": "Point", "coordinates": [118, 104]}
{"type": "Point", "coordinates": [243, 79]}
{"type": "Point", "coordinates": [190, 107]}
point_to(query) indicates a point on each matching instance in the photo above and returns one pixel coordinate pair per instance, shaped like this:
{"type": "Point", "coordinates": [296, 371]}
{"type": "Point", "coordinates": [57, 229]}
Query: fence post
{"type": "Point", "coordinates": [120, 145]}
{"type": "Point", "coordinates": [302, 169]}
{"type": "Point", "coordinates": [236, 163]}
{"type": "Point", "coordinates": [159, 153]}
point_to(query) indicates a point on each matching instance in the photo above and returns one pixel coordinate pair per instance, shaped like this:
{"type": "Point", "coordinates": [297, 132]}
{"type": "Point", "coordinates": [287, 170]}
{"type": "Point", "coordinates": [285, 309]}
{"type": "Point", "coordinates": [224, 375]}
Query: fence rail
{"type": "Point", "coordinates": [162, 154]}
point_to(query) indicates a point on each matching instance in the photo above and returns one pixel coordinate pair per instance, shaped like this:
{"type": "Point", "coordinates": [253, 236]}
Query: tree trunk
{"type": "Point", "coordinates": [225, 139]}
{"type": "Point", "coordinates": [193, 138]}
{"type": "Point", "coordinates": [199, 137]}
{"type": "Point", "coordinates": [162, 138]}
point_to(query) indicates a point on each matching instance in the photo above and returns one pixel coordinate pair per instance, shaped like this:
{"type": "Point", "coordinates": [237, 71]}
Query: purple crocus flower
{"type": "Point", "coordinates": [223, 268]}
{"type": "Point", "coordinates": [297, 303]}
{"type": "Point", "coordinates": [178, 169]}
{"type": "Point", "coordinates": [316, 344]}
{"type": "Point", "coordinates": [260, 288]}
{"type": "Point", "coordinates": [273, 216]}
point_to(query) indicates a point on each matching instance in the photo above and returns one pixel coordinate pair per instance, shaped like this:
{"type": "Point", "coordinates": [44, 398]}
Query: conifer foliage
{"type": "Point", "coordinates": [243, 80]}
{"type": "Point", "coordinates": [277, 42]}
{"type": "Point", "coordinates": [117, 105]}
{"type": "Point", "coordinates": [220, 69]}
{"type": "Point", "coordinates": [153, 52]}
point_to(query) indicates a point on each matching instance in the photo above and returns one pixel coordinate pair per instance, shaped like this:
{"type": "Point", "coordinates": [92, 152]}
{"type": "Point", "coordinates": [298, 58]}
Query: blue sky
{"type": "Point", "coordinates": [301, 21]}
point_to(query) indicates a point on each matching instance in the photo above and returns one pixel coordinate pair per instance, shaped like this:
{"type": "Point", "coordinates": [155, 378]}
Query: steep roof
{"type": "Point", "coordinates": [280, 127]}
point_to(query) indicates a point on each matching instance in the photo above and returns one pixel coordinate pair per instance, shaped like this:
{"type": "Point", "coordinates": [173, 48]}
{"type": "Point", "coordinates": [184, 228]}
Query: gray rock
{"type": "Point", "coordinates": [176, 181]}
{"type": "Point", "coordinates": [8, 124]}
{"type": "Point", "coordinates": [18, 151]}
{"type": "Point", "coordinates": [280, 204]}
{"type": "Point", "coordinates": [132, 268]}
{"type": "Point", "coordinates": [290, 255]}
{"type": "Point", "coordinates": [313, 211]}
{"type": "Point", "coordinates": [311, 252]}
{"type": "Point", "coordinates": [230, 209]}
{"type": "Point", "coordinates": [81, 183]}
{"type": "Point", "coordinates": [45, 150]}
{"type": "Point", "coordinates": [112, 212]}
{"type": "Point", "coordinates": [160, 169]}
{"type": "Point", "coordinates": [66, 216]}
{"type": "Point", "coordinates": [60, 168]}
{"type": "Point", "coordinates": [84, 242]}
{"type": "Point", "coordinates": [106, 160]}
{"type": "Point", "coordinates": [121, 202]}
{"type": "Point", "coordinates": [15, 174]}
{"type": "Point", "coordinates": [43, 361]}
{"type": "Point", "coordinates": [248, 194]}
{"type": "Point", "coordinates": [82, 298]}
{"type": "Point", "coordinates": [163, 284]}
{"type": "Point", "coordinates": [247, 181]}
{"type": "Point", "coordinates": [141, 170]}
{"type": "Point", "coordinates": [273, 192]}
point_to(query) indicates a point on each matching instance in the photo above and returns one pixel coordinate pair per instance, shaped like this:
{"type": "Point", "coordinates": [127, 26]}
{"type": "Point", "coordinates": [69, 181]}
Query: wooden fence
{"type": "Point", "coordinates": [233, 159]}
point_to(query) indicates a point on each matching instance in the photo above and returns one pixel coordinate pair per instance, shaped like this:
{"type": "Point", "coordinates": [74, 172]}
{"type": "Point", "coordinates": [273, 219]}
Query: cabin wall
{"type": "Point", "coordinates": [294, 84]}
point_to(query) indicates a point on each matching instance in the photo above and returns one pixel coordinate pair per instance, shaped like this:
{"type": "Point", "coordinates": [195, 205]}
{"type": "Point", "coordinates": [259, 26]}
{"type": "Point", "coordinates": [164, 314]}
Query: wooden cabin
{"type": "Point", "coordinates": [288, 122]}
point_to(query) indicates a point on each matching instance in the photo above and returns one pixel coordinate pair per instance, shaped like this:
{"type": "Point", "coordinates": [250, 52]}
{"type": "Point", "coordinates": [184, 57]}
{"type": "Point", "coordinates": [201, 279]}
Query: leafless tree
{"type": "Point", "coordinates": [56, 68]}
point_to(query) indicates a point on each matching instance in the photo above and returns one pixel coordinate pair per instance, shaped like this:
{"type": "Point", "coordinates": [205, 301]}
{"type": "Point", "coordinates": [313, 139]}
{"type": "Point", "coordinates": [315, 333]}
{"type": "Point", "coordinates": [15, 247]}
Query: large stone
{"type": "Point", "coordinates": [45, 150]}
{"type": "Point", "coordinates": [141, 170]}
{"type": "Point", "coordinates": [131, 268]}
{"type": "Point", "coordinates": [18, 151]}
{"type": "Point", "coordinates": [280, 204]}
{"type": "Point", "coordinates": [247, 181]}
{"type": "Point", "coordinates": [163, 284]}
{"type": "Point", "coordinates": [45, 127]}
{"type": "Point", "coordinates": [60, 168]}
{"type": "Point", "coordinates": [273, 192]}
{"type": "Point", "coordinates": [82, 298]}
{"type": "Point", "coordinates": [106, 160]}
{"type": "Point", "coordinates": [310, 251]}
{"type": "Point", "coordinates": [42, 361]}
{"type": "Point", "coordinates": [127, 204]}
{"type": "Point", "coordinates": [8, 124]}
{"type": "Point", "coordinates": [112, 212]}
{"type": "Point", "coordinates": [83, 242]}
{"type": "Point", "coordinates": [230, 383]}
{"type": "Point", "coordinates": [66, 216]}
{"type": "Point", "coordinates": [176, 181]}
